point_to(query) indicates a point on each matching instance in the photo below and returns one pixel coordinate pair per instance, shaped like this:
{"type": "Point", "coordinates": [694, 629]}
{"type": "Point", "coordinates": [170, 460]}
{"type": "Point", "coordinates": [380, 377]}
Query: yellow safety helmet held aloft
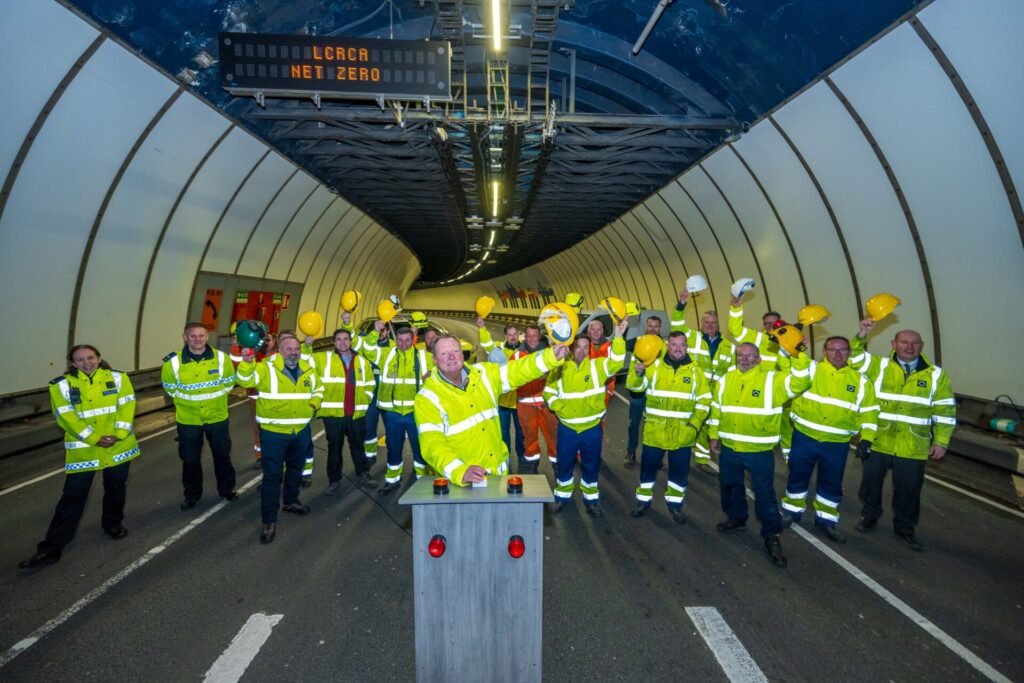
{"type": "Point", "coordinates": [484, 305]}
{"type": "Point", "coordinates": [350, 300]}
{"type": "Point", "coordinates": [418, 319]}
{"type": "Point", "coordinates": [790, 339]}
{"type": "Point", "coordinates": [614, 307]}
{"type": "Point", "coordinates": [647, 348]}
{"type": "Point", "coordinates": [813, 313]}
{"type": "Point", "coordinates": [574, 301]}
{"type": "Point", "coordinates": [311, 323]}
{"type": "Point", "coordinates": [881, 305]}
{"type": "Point", "coordinates": [632, 309]}
{"type": "Point", "coordinates": [560, 322]}
{"type": "Point", "coordinates": [386, 310]}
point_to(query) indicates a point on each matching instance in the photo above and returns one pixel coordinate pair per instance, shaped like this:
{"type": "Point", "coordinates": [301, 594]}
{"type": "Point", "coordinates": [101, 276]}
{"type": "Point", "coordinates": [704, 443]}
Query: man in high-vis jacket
{"type": "Point", "coordinates": [576, 394]}
{"type": "Point", "coordinates": [534, 415]}
{"type": "Point", "coordinates": [714, 354]}
{"type": "Point", "coordinates": [744, 426]}
{"type": "Point", "coordinates": [199, 380]}
{"type": "Point", "coordinates": [916, 421]}
{"type": "Point", "coordinates": [507, 401]}
{"type": "Point", "coordinates": [678, 400]}
{"type": "Point", "coordinates": [348, 384]}
{"type": "Point", "coordinates": [402, 370]}
{"type": "Point", "coordinates": [637, 400]}
{"type": "Point", "coordinates": [840, 404]}
{"type": "Point", "coordinates": [290, 395]}
{"type": "Point", "coordinates": [767, 349]}
{"type": "Point", "coordinates": [457, 410]}
{"type": "Point", "coordinates": [370, 438]}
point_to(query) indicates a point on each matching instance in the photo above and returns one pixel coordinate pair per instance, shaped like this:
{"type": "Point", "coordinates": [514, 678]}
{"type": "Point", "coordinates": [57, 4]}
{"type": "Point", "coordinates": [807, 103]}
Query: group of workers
{"type": "Point", "coordinates": [698, 393]}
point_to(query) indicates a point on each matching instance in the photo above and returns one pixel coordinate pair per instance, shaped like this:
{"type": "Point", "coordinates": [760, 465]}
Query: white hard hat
{"type": "Point", "coordinates": [742, 286]}
{"type": "Point", "coordinates": [696, 283]}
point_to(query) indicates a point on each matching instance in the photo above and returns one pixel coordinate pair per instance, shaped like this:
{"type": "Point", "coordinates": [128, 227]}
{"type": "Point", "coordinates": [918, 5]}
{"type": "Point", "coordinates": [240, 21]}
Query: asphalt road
{"type": "Point", "coordinates": [622, 596]}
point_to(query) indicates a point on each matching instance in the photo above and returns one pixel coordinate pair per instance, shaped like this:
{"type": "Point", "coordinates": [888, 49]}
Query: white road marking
{"type": "Point", "coordinates": [975, 496]}
{"type": "Point", "coordinates": [41, 477]}
{"type": "Point", "coordinates": [734, 659]}
{"type": "Point", "coordinates": [244, 647]}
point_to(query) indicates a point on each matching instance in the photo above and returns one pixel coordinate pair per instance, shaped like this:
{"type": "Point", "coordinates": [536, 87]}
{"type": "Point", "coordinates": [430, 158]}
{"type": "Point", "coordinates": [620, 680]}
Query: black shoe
{"type": "Point", "coordinates": [911, 541]}
{"type": "Point", "coordinates": [40, 559]}
{"type": "Point", "coordinates": [296, 508]}
{"type": "Point", "coordinates": [865, 524]}
{"type": "Point", "coordinates": [731, 525]}
{"type": "Point", "coordinates": [555, 507]}
{"type": "Point", "coordinates": [307, 482]}
{"type": "Point", "coordinates": [594, 510]}
{"type": "Point", "coordinates": [269, 531]}
{"type": "Point", "coordinates": [706, 468]}
{"type": "Point", "coordinates": [678, 516]}
{"type": "Point", "coordinates": [773, 547]}
{"type": "Point", "coordinates": [256, 465]}
{"type": "Point", "coordinates": [364, 479]}
{"type": "Point", "coordinates": [189, 503]}
{"type": "Point", "coordinates": [332, 488]}
{"type": "Point", "coordinates": [639, 510]}
{"type": "Point", "coordinates": [230, 496]}
{"type": "Point", "coordinates": [116, 534]}
{"type": "Point", "coordinates": [388, 487]}
{"type": "Point", "coordinates": [787, 520]}
{"type": "Point", "coordinates": [630, 461]}
{"type": "Point", "coordinates": [834, 534]}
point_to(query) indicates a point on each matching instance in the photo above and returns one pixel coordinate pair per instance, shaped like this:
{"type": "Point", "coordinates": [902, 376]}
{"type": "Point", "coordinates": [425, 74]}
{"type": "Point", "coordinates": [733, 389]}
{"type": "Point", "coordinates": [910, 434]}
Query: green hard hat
{"type": "Point", "coordinates": [251, 334]}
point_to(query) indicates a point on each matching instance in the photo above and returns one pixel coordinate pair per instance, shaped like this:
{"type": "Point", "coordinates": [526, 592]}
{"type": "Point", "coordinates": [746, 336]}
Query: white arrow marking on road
{"type": "Point", "coordinates": [244, 647]}
{"type": "Point", "coordinates": [734, 659]}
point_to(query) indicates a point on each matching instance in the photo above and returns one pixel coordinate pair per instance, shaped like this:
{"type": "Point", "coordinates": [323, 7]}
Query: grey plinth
{"type": "Point", "coordinates": [478, 610]}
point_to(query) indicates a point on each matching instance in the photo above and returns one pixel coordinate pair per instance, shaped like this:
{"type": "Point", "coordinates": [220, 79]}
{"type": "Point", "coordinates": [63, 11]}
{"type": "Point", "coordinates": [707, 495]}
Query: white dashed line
{"type": "Point", "coordinates": [736, 662]}
{"type": "Point", "coordinates": [244, 647]}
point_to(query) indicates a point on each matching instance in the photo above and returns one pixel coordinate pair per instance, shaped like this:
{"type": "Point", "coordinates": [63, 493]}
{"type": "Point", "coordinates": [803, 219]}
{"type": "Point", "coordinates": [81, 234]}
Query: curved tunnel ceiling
{"type": "Point", "coordinates": [635, 121]}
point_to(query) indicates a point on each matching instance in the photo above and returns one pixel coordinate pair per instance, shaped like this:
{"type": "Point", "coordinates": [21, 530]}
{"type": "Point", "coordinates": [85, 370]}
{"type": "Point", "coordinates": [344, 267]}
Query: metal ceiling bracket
{"type": "Point", "coordinates": [426, 103]}
{"type": "Point", "coordinates": [380, 103]}
{"type": "Point", "coordinates": [261, 99]}
{"type": "Point", "coordinates": [316, 99]}
{"type": "Point", "coordinates": [398, 114]}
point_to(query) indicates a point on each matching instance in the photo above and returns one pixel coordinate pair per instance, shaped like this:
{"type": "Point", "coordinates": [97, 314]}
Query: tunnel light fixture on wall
{"type": "Point", "coordinates": [490, 239]}
{"type": "Point", "coordinates": [496, 196]}
{"type": "Point", "coordinates": [496, 24]}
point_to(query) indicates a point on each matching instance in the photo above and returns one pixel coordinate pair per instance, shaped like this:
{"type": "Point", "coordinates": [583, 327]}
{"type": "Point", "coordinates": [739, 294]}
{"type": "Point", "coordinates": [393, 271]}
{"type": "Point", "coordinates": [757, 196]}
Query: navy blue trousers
{"type": "Point", "coordinates": [281, 452]}
{"type": "Point", "coordinates": [637, 402]}
{"type": "Point", "coordinates": [761, 465]}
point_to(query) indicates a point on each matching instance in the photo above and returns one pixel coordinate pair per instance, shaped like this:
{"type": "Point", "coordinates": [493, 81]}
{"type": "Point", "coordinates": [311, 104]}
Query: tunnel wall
{"type": "Point", "coordinates": [898, 171]}
{"type": "Point", "coordinates": [121, 187]}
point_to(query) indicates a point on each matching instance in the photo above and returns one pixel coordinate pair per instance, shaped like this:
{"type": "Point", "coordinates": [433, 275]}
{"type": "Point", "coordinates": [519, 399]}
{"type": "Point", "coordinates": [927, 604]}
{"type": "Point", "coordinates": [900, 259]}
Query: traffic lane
{"type": "Point", "coordinates": [31, 597]}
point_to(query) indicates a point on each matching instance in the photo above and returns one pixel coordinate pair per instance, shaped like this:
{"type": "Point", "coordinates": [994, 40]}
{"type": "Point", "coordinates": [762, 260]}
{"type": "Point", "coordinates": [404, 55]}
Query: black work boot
{"type": "Point", "coordinates": [773, 547]}
{"type": "Point", "coordinates": [630, 460]}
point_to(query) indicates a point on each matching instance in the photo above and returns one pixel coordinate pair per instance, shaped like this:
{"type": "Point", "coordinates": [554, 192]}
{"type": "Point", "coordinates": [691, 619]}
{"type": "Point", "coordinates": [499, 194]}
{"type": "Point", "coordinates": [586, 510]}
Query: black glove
{"type": "Point", "coordinates": [864, 449]}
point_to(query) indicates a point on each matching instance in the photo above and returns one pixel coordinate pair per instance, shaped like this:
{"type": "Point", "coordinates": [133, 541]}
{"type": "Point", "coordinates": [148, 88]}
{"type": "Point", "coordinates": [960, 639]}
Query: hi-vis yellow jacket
{"type": "Point", "coordinates": [284, 406]}
{"type": "Point", "coordinates": [575, 393]}
{"type": "Point", "coordinates": [401, 373]}
{"type": "Point", "coordinates": [678, 401]}
{"type": "Point", "coordinates": [746, 407]}
{"type": "Point", "coordinates": [770, 356]}
{"type": "Point", "coordinates": [918, 410]}
{"type": "Point", "coordinates": [460, 427]}
{"type": "Point", "coordinates": [88, 408]}
{"type": "Point", "coordinates": [199, 388]}
{"type": "Point", "coordinates": [698, 349]}
{"type": "Point", "coordinates": [840, 403]}
{"type": "Point", "coordinates": [508, 399]}
{"type": "Point", "coordinates": [330, 369]}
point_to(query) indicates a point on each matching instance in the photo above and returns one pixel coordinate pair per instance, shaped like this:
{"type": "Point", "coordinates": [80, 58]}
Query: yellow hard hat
{"type": "Point", "coordinates": [560, 322]}
{"type": "Point", "coordinates": [574, 301]}
{"type": "Point", "coordinates": [813, 313]}
{"type": "Point", "coordinates": [789, 338]}
{"type": "Point", "coordinates": [647, 348]}
{"type": "Point", "coordinates": [418, 319]}
{"type": "Point", "coordinates": [350, 300]}
{"type": "Point", "coordinates": [311, 323]}
{"type": "Point", "coordinates": [234, 326]}
{"type": "Point", "coordinates": [484, 305]}
{"type": "Point", "coordinates": [386, 310]}
{"type": "Point", "coordinates": [614, 307]}
{"type": "Point", "coordinates": [632, 308]}
{"type": "Point", "coordinates": [881, 305]}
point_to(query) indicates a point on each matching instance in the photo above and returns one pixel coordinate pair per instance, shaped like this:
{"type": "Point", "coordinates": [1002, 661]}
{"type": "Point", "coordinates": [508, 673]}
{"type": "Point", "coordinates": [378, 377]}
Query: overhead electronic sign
{"type": "Point", "coordinates": [334, 66]}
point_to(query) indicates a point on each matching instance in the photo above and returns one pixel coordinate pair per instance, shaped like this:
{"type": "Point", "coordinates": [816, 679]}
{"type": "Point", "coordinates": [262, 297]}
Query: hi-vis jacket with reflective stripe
{"type": "Point", "coordinates": [746, 407]}
{"type": "Point", "coordinates": [917, 410]}
{"type": "Point", "coordinates": [839, 404]}
{"type": "Point", "coordinates": [508, 399]}
{"type": "Point", "coordinates": [460, 427]}
{"type": "Point", "coordinates": [199, 388]}
{"type": "Point", "coordinates": [330, 368]}
{"type": "Point", "coordinates": [678, 401]}
{"type": "Point", "coordinates": [770, 356]}
{"type": "Point", "coordinates": [398, 369]}
{"type": "Point", "coordinates": [575, 393]}
{"type": "Point", "coordinates": [283, 406]}
{"type": "Point", "coordinates": [88, 408]}
{"type": "Point", "coordinates": [698, 348]}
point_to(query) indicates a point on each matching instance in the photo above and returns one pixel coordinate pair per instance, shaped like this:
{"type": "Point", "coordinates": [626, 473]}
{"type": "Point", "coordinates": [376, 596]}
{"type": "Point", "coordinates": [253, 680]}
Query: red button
{"type": "Point", "coordinates": [436, 546]}
{"type": "Point", "coordinates": [516, 547]}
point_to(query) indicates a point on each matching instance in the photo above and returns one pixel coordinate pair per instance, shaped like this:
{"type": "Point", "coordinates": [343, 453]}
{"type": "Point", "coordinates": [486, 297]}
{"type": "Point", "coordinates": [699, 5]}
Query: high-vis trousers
{"type": "Point", "coordinates": [830, 459]}
{"type": "Point", "coordinates": [396, 428]}
{"type": "Point", "coordinates": [370, 436]}
{"type": "Point", "coordinates": [537, 419]}
{"type": "Point", "coordinates": [588, 445]}
{"type": "Point", "coordinates": [702, 449]}
{"type": "Point", "coordinates": [678, 474]}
